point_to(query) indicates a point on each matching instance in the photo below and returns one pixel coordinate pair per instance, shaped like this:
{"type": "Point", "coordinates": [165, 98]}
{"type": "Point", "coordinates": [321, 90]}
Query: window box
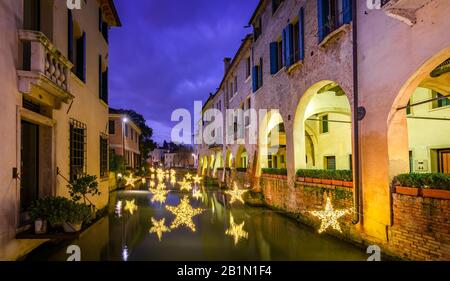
{"type": "Point", "coordinates": [335, 35]}
{"type": "Point", "coordinates": [436, 193]}
{"type": "Point", "coordinates": [326, 181]}
{"type": "Point", "coordinates": [410, 191]}
{"type": "Point", "coordinates": [337, 182]}
{"type": "Point", "coordinates": [347, 184]}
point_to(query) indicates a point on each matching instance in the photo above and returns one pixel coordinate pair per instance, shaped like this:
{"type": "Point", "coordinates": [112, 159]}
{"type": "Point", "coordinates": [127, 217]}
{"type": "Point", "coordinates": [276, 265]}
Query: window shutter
{"type": "Point", "coordinates": [84, 57]}
{"type": "Point", "coordinates": [301, 33]}
{"type": "Point", "coordinates": [255, 78]}
{"type": "Point", "coordinates": [70, 36]}
{"type": "Point", "coordinates": [287, 45]}
{"type": "Point", "coordinates": [100, 78]}
{"type": "Point", "coordinates": [273, 57]}
{"type": "Point", "coordinates": [322, 12]}
{"type": "Point", "coordinates": [105, 89]}
{"type": "Point", "coordinates": [347, 7]}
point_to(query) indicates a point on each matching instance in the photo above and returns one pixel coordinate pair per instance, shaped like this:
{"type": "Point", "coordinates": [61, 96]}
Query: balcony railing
{"type": "Point", "coordinates": [44, 67]}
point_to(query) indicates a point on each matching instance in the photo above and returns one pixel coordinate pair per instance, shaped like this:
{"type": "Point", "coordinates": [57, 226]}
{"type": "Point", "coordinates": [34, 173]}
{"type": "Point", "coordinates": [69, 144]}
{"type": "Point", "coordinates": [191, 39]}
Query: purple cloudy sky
{"type": "Point", "coordinates": [169, 53]}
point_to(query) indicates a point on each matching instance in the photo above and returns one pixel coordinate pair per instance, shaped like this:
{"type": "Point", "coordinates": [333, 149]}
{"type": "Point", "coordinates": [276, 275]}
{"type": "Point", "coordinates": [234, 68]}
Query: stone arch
{"type": "Point", "coordinates": [241, 157]}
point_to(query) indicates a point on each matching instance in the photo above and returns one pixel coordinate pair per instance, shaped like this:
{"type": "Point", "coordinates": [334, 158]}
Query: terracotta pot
{"type": "Point", "coordinates": [326, 181]}
{"type": "Point", "coordinates": [410, 191]}
{"type": "Point", "coordinates": [436, 193]}
{"type": "Point", "coordinates": [337, 182]}
{"type": "Point", "coordinates": [300, 179]}
{"type": "Point", "coordinates": [347, 183]}
{"type": "Point", "coordinates": [317, 181]}
{"type": "Point", "coordinates": [308, 180]}
{"type": "Point", "coordinates": [71, 227]}
{"type": "Point", "coordinates": [40, 226]}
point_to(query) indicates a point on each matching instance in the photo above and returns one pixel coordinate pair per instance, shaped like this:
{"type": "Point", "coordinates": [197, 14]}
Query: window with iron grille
{"type": "Point", "coordinates": [103, 156]}
{"type": "Point", "coordinates": [78, 149]}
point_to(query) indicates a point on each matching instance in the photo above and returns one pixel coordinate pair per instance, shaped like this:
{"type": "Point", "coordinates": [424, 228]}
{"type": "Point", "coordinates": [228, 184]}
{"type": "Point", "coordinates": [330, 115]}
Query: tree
{"type": "Point", "coordinates": [146, 143]}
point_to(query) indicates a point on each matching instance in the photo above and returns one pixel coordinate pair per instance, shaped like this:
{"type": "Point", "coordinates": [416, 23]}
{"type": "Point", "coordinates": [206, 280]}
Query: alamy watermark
{"type": "Point", "coordinates": [74, 4]}
{"type": "Point", "coordinates": [374, 4]}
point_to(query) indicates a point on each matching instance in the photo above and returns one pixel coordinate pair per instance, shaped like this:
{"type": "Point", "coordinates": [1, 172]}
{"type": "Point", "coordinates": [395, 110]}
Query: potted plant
{"type": "Point", "coordinates": [436, 186]}
{"type": "Point", "coordinates": [75, 215]}
{"type": "Point", "coordinates": [407, 184]}
{"type": "Point", "coordinates": [326, 177]}
{"type": "Point", "coordinates": [38, 213]}
{"type": "Point", "coordinates": [48, 210]}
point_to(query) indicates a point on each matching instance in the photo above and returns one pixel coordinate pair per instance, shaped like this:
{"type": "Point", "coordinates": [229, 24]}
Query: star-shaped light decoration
{"type": "Point", "coordinates": [329, 217]}
{"type": "Point", "coordinates": [236, 230]}
{"type": "Point", "coordinates": [159, 227]}
{"type": "Point", "coordinates": [188, 176]}
{"type": "Point", "coordinates": [152, 170]}
{"type": "Point", "coordinates": [130, 206]}
{"type": "Point", "coordinates": [172, 172]}
{"type": "Point", "coordinates": [185, 185]}
{"type": "Point", "coordinates": [197, 179]}
{"type": "Point", "coordinates": [184, 213]}
{"type": "Point", "coordinates": [130, 180]}
{"type": "Point", "coordinates": [173, 180]}
{"type": "Point", "coordinates": [144, 181]}
{"type": "Point", "coordinates": [236, 194]}
{"type": "Point", "coordinates": [161, 185]}
{"type": "Point", "coordinates": [152, 176]}
{"type": "Point", "coordinates": [159, 195]}
{"type": "Point", "coordinates": [152, 184]}
{"type": "Point", "coordinates": [197, 194]}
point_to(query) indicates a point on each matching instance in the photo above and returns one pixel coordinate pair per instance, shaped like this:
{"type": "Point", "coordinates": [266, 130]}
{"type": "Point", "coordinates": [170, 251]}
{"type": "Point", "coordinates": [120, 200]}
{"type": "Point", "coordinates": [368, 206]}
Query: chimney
{"type": "Point", "coordinates": [226, 64]}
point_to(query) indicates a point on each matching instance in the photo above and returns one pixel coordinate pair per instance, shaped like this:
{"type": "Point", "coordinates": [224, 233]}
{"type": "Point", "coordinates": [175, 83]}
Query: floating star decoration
{"type": "Point", "coordinates": [236, 194]}
{"type": "Point", "coordinates": [152, 170]}
{"type": "Point", "coordinates": [197, 179]}
{"type": "Point", "coordinates": [152, 184]}
{"type": "Point", "coordinates": [329, 217]}
{"type": "Point", "coordinates": [130, 206]}
{"type": "Point", "coordinates": [159, 195]}
{"type": "Point", "coordinates": [130, 180]}
{"type": "Point", "coordinates": [173, 180]}
{"type": "Point", "coordinates": [188, 176]}
{"type": "Point", "coordinates": [236, 230]}
{"type": "Point", "coordinates": [159, 227]}
{"type": "Point", "coordinates": [172, 172]}
{"type": "Point", "coordinates": [152, 176]}
{"type": "Point", "coordinates": [161, 185]}
{"type": "Point", "coordinates": [143, 180]}
{"type": "Point", "coordinates": [197, 194]}
{"type": "Point", "coordinates": [185, 185]}
{"type": "Point", "coordinates": [184, 213]}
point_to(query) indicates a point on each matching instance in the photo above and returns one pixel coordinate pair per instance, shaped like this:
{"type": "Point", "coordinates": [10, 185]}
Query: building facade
{"type": "Point", "coordinates": [124, 136]}
{"type": "Point", "coordinates": [54, 106]}
{"type": "Point", "coordinates": [344, 86]}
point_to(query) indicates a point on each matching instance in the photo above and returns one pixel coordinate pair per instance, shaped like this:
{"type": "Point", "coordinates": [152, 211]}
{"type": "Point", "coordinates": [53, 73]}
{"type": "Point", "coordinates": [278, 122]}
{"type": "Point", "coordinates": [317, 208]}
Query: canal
{"type": "Point", "coordinates": [254, 234]}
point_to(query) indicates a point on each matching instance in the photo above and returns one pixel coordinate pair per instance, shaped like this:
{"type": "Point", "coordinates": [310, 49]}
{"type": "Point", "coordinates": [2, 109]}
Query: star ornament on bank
{"type": "Point", "coordinates": [236, 194]}
{"type": "Point", "coordinates": [184, 214]}
{"type": "Point", "coordinates": [329, 217]}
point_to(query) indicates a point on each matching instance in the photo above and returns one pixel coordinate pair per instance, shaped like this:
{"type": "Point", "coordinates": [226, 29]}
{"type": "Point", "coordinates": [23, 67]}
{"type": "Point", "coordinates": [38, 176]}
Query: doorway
{"type": "Point", "coordinates": [29, 188]}
{"type": "Point", "coordinates": [444, 161]}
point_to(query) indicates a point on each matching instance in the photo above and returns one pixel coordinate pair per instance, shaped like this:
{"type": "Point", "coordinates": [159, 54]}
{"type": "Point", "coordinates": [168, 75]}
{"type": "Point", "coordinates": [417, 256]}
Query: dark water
{"type": "Point", "coordinates": [270, 235]}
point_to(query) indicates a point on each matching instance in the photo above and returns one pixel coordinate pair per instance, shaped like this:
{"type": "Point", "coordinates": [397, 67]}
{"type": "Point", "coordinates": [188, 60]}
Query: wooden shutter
{"type": "Point", "coordinates": [70, 36]}
{"type": "Point", "coordinates": [273, 58]}
{"type": "Point", "coordinates": [347, 11]}
{"type": "Point", "coordinates": [322, 12]}
{"type": "Point", "coordinates": [301, 33]}
{"type": "Point", "coordinates": [288, 52]}
{"type": "Point", "coordinates": [255, 78]}
{"type": "Point", "coordinates": [100, 77]}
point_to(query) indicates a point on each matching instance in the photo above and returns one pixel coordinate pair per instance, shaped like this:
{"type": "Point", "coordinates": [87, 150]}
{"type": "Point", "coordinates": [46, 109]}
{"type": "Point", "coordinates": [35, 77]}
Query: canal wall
{"type": "Point", "coordinates": [420, 227]}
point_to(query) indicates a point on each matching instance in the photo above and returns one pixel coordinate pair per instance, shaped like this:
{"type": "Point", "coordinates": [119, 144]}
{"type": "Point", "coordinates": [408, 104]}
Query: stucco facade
{"type": "Point", "coordinates": [49, 101]}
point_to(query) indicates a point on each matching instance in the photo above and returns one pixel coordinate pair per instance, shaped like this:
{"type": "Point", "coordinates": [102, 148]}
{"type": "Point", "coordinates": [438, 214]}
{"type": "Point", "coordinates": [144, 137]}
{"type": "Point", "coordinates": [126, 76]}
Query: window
{"type": "Point", "coordinates": [408, 108]}
{"type": "Point", "coordinates": [76, 48]}
{"type": "Point", "coordinates": [235, 84]}
{"type": "Point", "coordinates": [126, 130]}
{"type": "Point", "coordinates": [440, 102]}
{"type": "Point", "coordinates": [350, 161]}
{"type": "Point", "coordinates": [248, 68]}
{"type": "Point", "coordinates": [103, 156]}
{"type": "Point", "coordinates": [132, 133]}
{"type": "Point", "coordinates": [298, 38]}
{"type": "Point", "coordinates": [332, 14]}
{"type": "Point", "coordinates": [330, 162]}
{"type": "Point", "coordinates": [102, 81]}
{"type": "Point", "coordinates": [112, 127]}
{"type": "Point", "coordinates": [275, 5]}
{"type": "Point", "coordinates": [103, 26]}
{"type": "Point", "coordinates": [269, 161]}
{"type": "Point", "coordinates": [260, 73]}
{"type": "Point", "coordinates": [78, 145]}
{"type": "Point", "coordinates": [276, 56]}
{"type": "Point", "coordinates": [324, 124]}
{"type": "Point", "coordinates": [257, 29]}
{"type": "Point", "coordinates": [281, 159]}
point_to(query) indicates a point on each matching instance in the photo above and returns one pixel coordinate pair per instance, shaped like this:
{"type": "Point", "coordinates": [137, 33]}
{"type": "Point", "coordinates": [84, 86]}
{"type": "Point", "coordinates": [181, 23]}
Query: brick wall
{"type": "Point", "coordinates": [421, 228]}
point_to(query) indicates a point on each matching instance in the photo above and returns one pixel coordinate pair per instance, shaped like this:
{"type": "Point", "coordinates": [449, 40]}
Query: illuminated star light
{"type": "Point", "coordinates": [188, 176]}
{"type": "Point", "coordinates": [197, 194]}
{"type": "Point", "coordinates": [236, 194]}
{"type": "Point", "coordinates": [159, 195]}
{"type": "Point", "coordinates": [152, 170]}
{"type": "Point", "coordinates": [159, 227]}
{"type": "Point", "coordinates": [152, 184]}
{"type": "Point", "coordinates": [130, 206]}
{"type": "Point", "coordinates": [236, 230]}
{"type": "Point", "coordinates": [184, 213]}
{"type": "Point", "coordinates": [197, 179]}
{"type": "Point", "coordinates": [173, 180]}
{"type": "Point", "coordinates": [161, 185]}
{"type": "Point", "coordinates": [329, 217]}
{"type": "Point", "coordinates": [185, 185]}
{"type": "Point", "coordinates": [130, 180]}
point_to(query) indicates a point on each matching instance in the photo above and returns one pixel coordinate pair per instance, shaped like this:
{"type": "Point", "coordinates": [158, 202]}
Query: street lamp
{"type": "Point", "coordinates": [124, 121]}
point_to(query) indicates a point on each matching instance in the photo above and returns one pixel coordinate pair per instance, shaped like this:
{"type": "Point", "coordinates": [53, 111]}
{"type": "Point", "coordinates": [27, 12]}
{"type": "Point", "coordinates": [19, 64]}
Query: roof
{"type": "Point", "coordinates": [110, 12]}
{"type": "Point", "coordinates": [256, 12]}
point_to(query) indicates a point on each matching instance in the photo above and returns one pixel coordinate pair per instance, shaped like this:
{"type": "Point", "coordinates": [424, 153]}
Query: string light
{"type": "Point", "coordinates": [329, 217]}
{"type": "Point", "coordinates": [197, 179]}
{"type": "Point", "coordinates": [236, 194]}
{"type": "Point", "coordinates": [130, 206]}
{"type": "Point", "coordinates": [159, 227]}
{"type": "Point", "coordinates": [130, 180]}
{"type": "Point", "coordinates": [184, 214]}
{"type": "Point", "coordinates": [236, 230]}
{"type": "Point", "coordinates": [185, 185]}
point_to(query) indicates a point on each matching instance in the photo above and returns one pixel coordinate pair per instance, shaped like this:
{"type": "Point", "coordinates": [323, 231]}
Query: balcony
{"type": "Point", "coordinates": [45, 74]}
{"type": "Point", "coordinates": [403, 10]}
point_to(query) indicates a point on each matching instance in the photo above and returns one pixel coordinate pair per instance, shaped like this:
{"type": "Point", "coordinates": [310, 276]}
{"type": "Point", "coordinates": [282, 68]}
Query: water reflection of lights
{"type": "Point", "coordinates": [152, 176]}
{"type": "Point", "coordinates": [152, 170]}
{"type": "Point", "coordinates": [184, 214]}
{"type": "Point", "coordinates": [152, 184]}
{"type": "Point", "coordinates": [159, 227]}
{"type": "Point", "coordinates": [125, 253]}
{"type": "Point", "coordinates": [185, 185]}
{"type": "Point", "coordinates": [236, 230]}
{"type": "Point", "coordinates": [236, 194]}
{"type": "Point", "coordinates": [159, 195]}
{"type": "Point", "coordinates": [130, 206]}
{"type": "Point", "coordinates": [197, 194]}
{"type": "Point", "coordinates": [188, 176]}
{"type": "Point", "coordinates": [197, 179]}
{"type": "Point", "coordinates": [118, 210]}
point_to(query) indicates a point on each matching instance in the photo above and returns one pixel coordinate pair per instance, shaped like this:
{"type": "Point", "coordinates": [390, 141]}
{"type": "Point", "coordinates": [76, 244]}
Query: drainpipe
{"type": "Point", "coordinates": [356, 117]}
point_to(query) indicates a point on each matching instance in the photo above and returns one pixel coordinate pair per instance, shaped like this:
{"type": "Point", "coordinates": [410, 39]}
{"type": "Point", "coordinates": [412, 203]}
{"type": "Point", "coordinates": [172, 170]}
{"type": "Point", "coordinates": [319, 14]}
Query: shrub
{"type": "Point", "coordinates": [343, 175]}
{"type": "Point", "coordinates": [241, 170]}
{"type": "Point", "coordinates": [426, 180]}
{"type": "Point", "coordinates": [116, 163]}
{"type": "Point", "coordinates": [51, 209]}
{"type": "Point", "coordinates": [78, 213]}
{"type": "Point", "coordinates": [272, 171]}
{"type": "Point", "coordinates": [83, 186]}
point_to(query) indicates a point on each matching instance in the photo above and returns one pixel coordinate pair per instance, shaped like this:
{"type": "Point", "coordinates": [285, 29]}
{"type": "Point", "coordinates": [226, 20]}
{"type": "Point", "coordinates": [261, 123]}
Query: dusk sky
{"type": "Point", "coordinates": [169, 53]}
